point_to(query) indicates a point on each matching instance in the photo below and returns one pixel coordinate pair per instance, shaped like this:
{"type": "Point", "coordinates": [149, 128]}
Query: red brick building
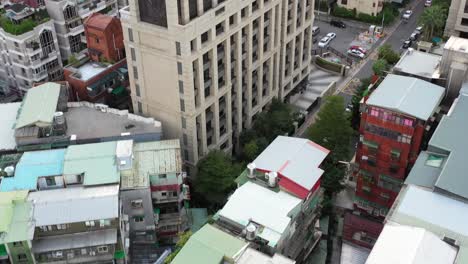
{"type": "Point", "coordinates": [104, 38]}
{"type": "Point", "coordinates": [395, 119]}
{"type": "Point", "coordinates": [361, 230]}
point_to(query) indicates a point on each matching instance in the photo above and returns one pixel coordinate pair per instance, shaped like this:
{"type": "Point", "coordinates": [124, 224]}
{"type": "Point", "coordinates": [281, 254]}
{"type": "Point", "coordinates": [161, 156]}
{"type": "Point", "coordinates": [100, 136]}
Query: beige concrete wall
{"type": "Point", "coordinates": [370, 7]}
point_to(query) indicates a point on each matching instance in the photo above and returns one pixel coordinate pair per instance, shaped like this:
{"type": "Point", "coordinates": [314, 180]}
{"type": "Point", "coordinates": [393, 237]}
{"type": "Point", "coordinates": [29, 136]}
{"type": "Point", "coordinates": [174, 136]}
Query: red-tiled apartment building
{"type": "Point", "coordinates": [395, 120]}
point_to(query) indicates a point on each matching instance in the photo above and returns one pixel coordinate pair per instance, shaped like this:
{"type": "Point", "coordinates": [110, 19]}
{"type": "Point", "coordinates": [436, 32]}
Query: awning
{"type": "Point", "coordinates": [370, 144]}
{"type": "Point", "coordinates": [119, 90]}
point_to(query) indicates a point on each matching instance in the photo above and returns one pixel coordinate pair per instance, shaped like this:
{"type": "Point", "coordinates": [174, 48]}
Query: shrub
{"type": "Point", "coordinates": [343, 12]}
{"type": "Point", "coordinates": [328, 65]}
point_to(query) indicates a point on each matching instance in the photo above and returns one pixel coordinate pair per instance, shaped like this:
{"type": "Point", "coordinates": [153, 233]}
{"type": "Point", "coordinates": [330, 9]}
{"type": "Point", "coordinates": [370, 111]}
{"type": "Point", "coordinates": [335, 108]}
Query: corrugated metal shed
{"type": "Point", "coordinates": [75, 241]}
{"type": "Point", "coordinates": [352, 254]}
{"type": "Point", "coordinates": [209, 246]}
{"type": "Point", "coordinates": [77, 204]}
{"type": "Point", "coordinates": [252, 256]}
{"type": "Point", "coordinates": [450, 136]}
{"type": "Point", "coordinates": [8, 113]}
{"type": "Point", "coordinates": [33, 165]}
{"type": "Point", "coordinates": [15, 217]}
{"type": "Point", "coordinates": [407, 95]}
{"type": "Point", "coordinates": [410, 245]}
{"type": "Point", "coordinates": [39, 105]}
{"type": "Point", "coordinates": [252, 202]}
{"type": "Point", "coordinates": [297, 159]}
{"type": "Point", "coordinates": [419, 63]}
{"type": "Point", "coordinates": [96, 161]}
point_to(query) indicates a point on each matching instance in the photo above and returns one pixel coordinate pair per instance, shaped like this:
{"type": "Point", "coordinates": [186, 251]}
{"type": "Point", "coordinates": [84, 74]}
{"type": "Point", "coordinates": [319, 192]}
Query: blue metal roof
{"type": "Point", "coordinates": [33, 165]}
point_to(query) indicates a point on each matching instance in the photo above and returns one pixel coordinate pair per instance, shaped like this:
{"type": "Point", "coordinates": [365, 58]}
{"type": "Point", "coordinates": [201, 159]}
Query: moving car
{"type": "Point", "coordinates": [428, 3]}
{"type": "Point", "coordinates": [407, 14]}
{"type": "Point", "coordinates": [358, 48]}
{"type": "Point", "coordinates": [407, 44]}
{"type": "Point", "coordinates": [356, 53]}
{"type": "Point", "coordinates": [337, 23]}
{"type": "Point", "coordinates": [324, 42]}
{"type": "Point", "coordinates": [331, 35]}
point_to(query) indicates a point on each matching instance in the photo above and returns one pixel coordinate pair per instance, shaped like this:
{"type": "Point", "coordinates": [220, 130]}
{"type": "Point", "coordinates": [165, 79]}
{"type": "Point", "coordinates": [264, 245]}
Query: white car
{"type": "Point", "coordinates": [356, 53]}
{"type": "Point", "coordinates": [428, 3]}
{"type": "Point", "coordinates": [419, 30]}
{"type": "Point", "coordinates": [331, 35]}
{"type": "Point", "coordinates": [324, 42]}
{"type": "Point", "coordinates": [407, 14]}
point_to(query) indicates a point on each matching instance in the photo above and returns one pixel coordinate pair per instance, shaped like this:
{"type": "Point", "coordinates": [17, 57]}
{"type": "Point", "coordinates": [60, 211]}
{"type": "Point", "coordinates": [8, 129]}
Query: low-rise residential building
{"type": "Point", "coordinates": [79, 223]}
{"type": "Point", "coordinates": [278, 197]}
{"type": "Point", "coordinates": [68, 17]}
{"type": "Point", "coordinates": [362, 6]}
{"type": "Point", "coordinates": [102, 76]}
{"type": "Point", "coordinates": [422, 65]}
{"type": "Point", "coordinates": [16, 228]}
{"type": "Point", "coordinates": [46, 120]}
{"type": "Point", "coordinates": [30, 50]}
{"type": "Point", "coordinates": [396, 120]}
{"type": "Point", "coordinates": [435, 197]}
{"type": "Point", "coordinates": [211, 245]}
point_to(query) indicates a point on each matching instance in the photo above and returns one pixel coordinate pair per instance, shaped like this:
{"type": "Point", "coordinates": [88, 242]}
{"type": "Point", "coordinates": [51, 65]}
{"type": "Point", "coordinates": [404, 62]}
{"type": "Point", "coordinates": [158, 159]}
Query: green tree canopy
{"type": "Point", "coordinates": [183, 238]}
{"type": "Point", "coordinates": [388, 54]}
{"type": "Point", "coordinates": [380, 66]}
{"type": "Point", "coordinates": [433, 18]}
{"type": "Point", "coordinates": [215, 177]}
{"type": "Point", "coordinates": [355, 100]}
{"type": "Point", "coordinates": [333, 131]}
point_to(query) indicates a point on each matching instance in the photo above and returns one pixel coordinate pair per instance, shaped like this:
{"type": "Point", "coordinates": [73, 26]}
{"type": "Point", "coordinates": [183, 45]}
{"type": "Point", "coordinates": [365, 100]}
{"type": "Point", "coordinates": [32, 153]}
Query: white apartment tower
{"type": "Point", "coordinates": [69, 15]}
{"type": "Point", "coordinates": [205, 68]}
{"type": "Point", "coordinates": [28, 55]}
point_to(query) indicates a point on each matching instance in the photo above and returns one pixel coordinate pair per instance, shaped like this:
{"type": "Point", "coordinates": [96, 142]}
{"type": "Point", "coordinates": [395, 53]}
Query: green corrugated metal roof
{"type": "Point", "coordinates": [120, 254]}
{"type": "Point", "coordinates": [3, 251]}
{"type": "Point", "coordinates": [96, 161]}
{"type": "Point", "coordinates": [39, 105]}
{"type": "Point", "coordinates": [209, 246]}
{"type": "Point", "coordinates": [15, 217]}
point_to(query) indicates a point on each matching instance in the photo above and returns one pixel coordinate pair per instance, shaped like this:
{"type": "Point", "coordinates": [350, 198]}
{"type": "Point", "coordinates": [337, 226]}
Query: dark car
{"type": "Point", "coordinates": [337, 23]}
{"type": "Point", "coordinates": [407, 44]}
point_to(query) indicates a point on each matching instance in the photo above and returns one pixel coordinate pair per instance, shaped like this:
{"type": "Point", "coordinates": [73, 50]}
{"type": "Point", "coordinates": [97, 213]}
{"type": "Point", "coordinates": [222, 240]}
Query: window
{"type": "Point", "coordinates": [140, 108]}
{"type": "Point", "coordinates": [89, 223]}
{"type": "Point", "coordinates": [464, 22]}
{"type": "Point", "coordinates": [16, 44]}
{"type": "Point", "coordinates": [133, 54]}
{"type": "Point", "coordinates": [204, 37]}
{"type": "Point", "coordinates": [404, 138]}
{"type": "Point", "coordinates": [434, 160]}
{"type": "Point", "coordinates": [181, 87]}
{"type": "Point", "coordinates": [184, 122]}
{"type": "Point", "coordinates": [182, 105]}
{"type": "Point", "coordinates": [137, 89]}
{"type": "Point", "coordinates": [62, 227]}
{"type": "Point", "coordinates": [219, 11]}
{"type": "Point", "coordinates": [138, 219]}
{"type": "Point", "coordinates": [389, 183]}
{"type": "Point", "coordinates": [162, 176]}
{"type": "Point", "coordinates": [97, 40]}
{"type": "Point", "coordinates": [374, 112]}
{"type": "Point", "coordinates": [137, 203]}
{"type": "Point", "coordinates": [385, 196]}
{"type": "Point", "coordinates": [130, 34]}
{"type": "Point", "coordinates": [22, 257]}
{"type": "Point", "coordinates": [102, 249]}
{"type": "Point", "coordinates": [17, 244]}
{"type": "Point", "coordinates": [232, 20]}
{"type": "Point", "coordinates": [179, 68]}
{"type": "Point", "coordinates": [184, 139]}
{"type": "Point", "coordinates": [243, 12]}
{"type": "Point", "coordinates": [366, 189]}
{"type": "Point", "coordinates": [84, 251]}
{"type": "Point", "coordinates": [104, 222]}
{"type": "Point", "coordinates": [407, 122]}
{"type": "Point", "coordinates": [178, 51]}
{"type": "Point", "coordinates": [164, 194]}
{"type": "Point", "coordinates": [135, 72]}
{"type": "Point", "coordinates": [50, 181]}
{"type": "Point", "coordinates": [344, 2]}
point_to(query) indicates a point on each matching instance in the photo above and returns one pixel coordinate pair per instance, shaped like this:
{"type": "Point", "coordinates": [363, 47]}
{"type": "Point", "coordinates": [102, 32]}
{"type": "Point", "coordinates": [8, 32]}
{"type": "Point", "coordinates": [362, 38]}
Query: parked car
{"type": "Point", "coordinates": [359, 48]}
{"type": "Point", "coordinates": [414, 36]}
{"type": "Point", "coordinates": [315, 31]}
{"type": "Point", "coordinates": [419, 30]}
{"type": "Point", "coordinates": [331, 35]}
{"type": "Point", "coordinates": [337, 23]}
{"type": "Point", "coordinates": [356, 53]}
{"type": "Point", "coordinates": [428, 3]}
{"type": "Point", "coordinates": [407, 44]}
{"type": "Point", "coordinates": [407, 14]}
{"type": "Point", "coordinates": [324, 42]}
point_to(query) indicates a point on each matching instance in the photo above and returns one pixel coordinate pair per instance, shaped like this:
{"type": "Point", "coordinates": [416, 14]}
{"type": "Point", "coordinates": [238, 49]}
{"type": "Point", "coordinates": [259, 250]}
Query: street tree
{"type": "Point", "coordinates": [355, 101]}
{"type": "Point", "coordinates": [388, 54]}
{"type": "Point", "coordinates": [433, 18]}
{"type": "Point", "coordinates": [380, 66]}
{"type": "Point", "coordinates": [333, 131]}
{"type": "Point", "coordinates": [215, 177]}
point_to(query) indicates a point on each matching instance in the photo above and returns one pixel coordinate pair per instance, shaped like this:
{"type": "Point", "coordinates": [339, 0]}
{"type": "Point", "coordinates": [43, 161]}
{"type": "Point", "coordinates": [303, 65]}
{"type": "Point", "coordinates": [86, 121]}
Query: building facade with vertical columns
{"type": "Point", "coordinates": [205, 68]}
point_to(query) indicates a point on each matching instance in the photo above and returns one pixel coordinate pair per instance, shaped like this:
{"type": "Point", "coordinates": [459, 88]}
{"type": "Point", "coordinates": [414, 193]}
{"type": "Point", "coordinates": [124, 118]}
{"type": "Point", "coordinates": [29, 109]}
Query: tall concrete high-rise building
{"type": "Point", "coordinates": [205, 68]}
{"type": "Point", "coordinates": [457, 20]}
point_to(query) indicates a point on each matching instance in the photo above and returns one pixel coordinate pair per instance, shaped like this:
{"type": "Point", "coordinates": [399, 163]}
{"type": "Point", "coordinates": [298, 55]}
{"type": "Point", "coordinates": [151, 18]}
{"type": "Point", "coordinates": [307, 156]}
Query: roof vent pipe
{"type": "Point", "coordinates": [271, 177]}
{"type": "Point", "coordinates": [251, 167]}
{"type": "Point", "coordinates": [251, 232]}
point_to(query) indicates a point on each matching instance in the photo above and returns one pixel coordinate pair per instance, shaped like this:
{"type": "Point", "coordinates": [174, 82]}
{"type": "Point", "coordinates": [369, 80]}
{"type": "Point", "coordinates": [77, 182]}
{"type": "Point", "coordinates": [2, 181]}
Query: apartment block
{"type": "Point", "coordinates": [206, 68]}
{"type": "Point", "coordinates": [69, 16]}
{"type": "Point", "coordinates": [211, 245]}
{"type": "Point", "coordinates": [396, 120]}
{"type": "Point", "coordinates": [372, 8]}
{"type": "Point", "coordinates": [45, 119]}
{"type": "Point", "coordinates": [457, 20]}
{"type": "Point", "coordinates": [277, 202]}
{"type": "Point", "coordinates": [30, 54]}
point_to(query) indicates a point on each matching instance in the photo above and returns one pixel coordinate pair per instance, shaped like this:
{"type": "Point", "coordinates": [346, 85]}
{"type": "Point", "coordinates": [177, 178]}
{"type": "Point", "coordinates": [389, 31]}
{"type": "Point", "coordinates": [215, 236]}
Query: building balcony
{"type": "Point", "coordinates": [39, 76]}
{"type": "Point", "coordinates": [76, 30]}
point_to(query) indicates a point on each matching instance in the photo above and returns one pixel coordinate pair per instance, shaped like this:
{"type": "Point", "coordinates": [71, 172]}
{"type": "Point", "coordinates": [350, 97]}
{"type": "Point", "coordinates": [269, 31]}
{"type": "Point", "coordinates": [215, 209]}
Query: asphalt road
{"type": "Point", "coordinates": [344, 36]}
{"type": "Point", "coordinates": [402, 32]}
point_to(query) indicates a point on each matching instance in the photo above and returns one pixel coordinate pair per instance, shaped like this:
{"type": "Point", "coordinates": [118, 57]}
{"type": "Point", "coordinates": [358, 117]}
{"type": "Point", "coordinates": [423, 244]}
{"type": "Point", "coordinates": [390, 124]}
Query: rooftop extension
{"type": "Point", "coordinates": [419, 64]}
{"type": "Point", "coordinates": [16, 221]}
{"type": "Point", "coordinates": [407, 95]}
{"type": "Point", "coordinates": [7, 129]}
{"type": "Point", "coordinates": [296, 161]}
{"type": "Point", "coordinates": [18, 19]}
{"type": "Point", "coordinates": [47, 120]}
